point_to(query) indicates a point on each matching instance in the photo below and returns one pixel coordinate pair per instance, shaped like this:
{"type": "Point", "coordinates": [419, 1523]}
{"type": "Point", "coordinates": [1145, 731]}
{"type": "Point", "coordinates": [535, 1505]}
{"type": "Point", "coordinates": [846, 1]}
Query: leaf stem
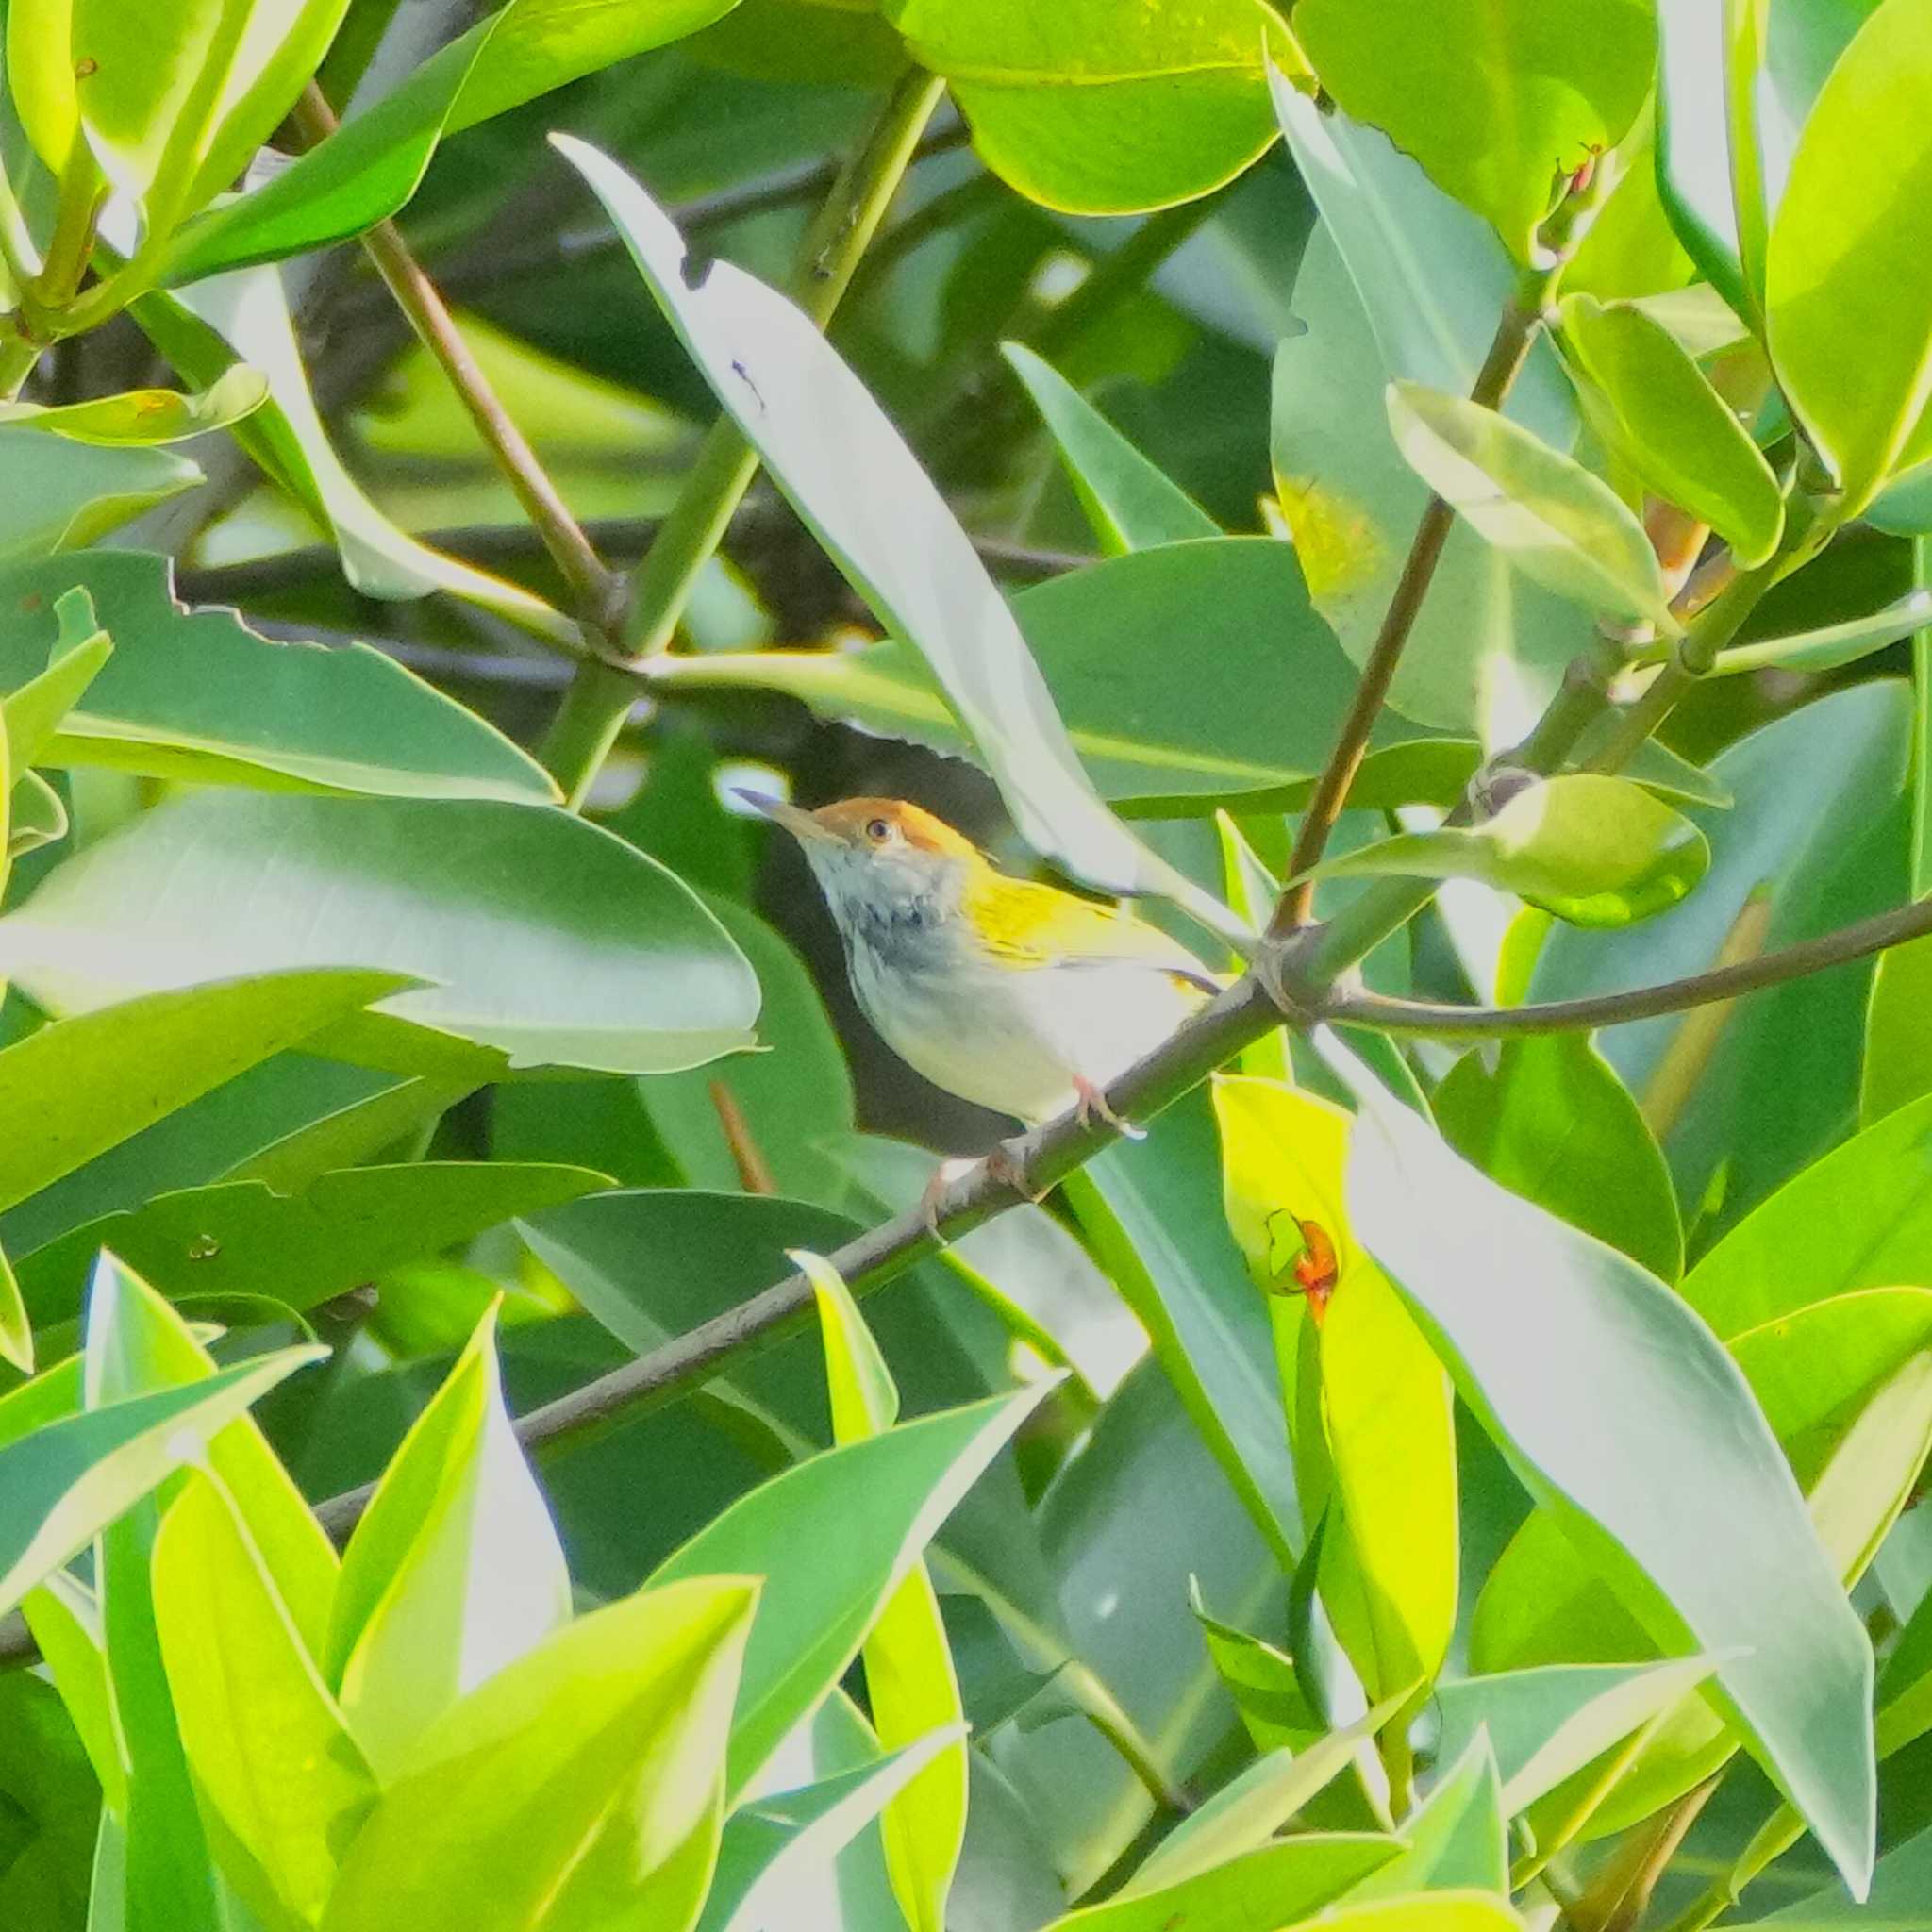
{"type": "Point", "coordinates": [599, 700]}
{"type": "Point", "coordinates": [1516, 332]}
{"type": "Point", "coordinates": [593, 588]}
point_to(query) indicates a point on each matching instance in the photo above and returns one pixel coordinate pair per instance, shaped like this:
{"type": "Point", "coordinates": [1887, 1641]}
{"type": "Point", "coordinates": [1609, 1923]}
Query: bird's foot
{"type": "Point", "coordinates": [1093, 1106]}
{"type": "Point", "coordinates": [1004, 1165]}
{"type": "Point", "coordinates": [944, 1175]}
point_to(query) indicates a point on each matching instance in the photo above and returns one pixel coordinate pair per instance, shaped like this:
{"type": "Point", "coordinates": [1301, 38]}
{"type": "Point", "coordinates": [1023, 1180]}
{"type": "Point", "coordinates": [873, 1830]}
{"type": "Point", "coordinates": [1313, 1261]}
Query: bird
{"type": "Point", "coordinates": [1005, 991]}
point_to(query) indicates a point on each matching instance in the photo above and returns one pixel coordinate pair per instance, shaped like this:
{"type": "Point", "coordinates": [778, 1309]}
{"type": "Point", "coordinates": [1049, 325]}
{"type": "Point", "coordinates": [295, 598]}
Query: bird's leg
{"type": "Point", "coordinates": [1004, 1165]}
{"type": "Point", "coordinates": [944, 1175]}
{"type": "Point", "coordinates": [1093, 1106]}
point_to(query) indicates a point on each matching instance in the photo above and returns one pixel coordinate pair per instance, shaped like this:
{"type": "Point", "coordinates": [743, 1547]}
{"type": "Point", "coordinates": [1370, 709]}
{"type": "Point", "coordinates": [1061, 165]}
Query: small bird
{"type": "Point", "coordinates": [1005, 991]}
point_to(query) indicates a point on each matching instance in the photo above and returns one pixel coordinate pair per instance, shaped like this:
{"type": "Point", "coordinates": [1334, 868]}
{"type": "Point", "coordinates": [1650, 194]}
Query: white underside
{"type": "Point", "coordinates": [1015, 1040]}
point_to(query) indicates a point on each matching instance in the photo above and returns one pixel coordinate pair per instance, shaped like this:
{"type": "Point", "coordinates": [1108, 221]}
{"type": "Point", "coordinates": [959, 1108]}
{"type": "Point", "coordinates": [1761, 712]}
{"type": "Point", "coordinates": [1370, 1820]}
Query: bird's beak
{"type": "Point", "coordinates": [801, 825]}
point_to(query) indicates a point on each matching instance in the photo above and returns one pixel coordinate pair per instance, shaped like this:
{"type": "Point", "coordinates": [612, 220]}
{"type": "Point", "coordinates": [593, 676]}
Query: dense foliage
{"type": "Point", "coordinates": [1432, 498]}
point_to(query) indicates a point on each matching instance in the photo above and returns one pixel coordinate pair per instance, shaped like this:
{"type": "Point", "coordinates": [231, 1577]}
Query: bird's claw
{"type": "Point", "coordinates": [1093, 1106]}
{"type": "Point", "coordinates": [944, 1174]}
{"type": "Point", "coordinates": [1006, 1167]}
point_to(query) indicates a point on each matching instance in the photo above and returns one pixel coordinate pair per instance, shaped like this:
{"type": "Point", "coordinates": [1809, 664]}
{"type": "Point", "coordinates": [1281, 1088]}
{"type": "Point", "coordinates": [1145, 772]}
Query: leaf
{"type": "Point", "coordinates": [1131, 504]}
{"type": "Point", "coordinates": [1148, 1210]}
{"type": "Point", "coordinates": [910, 1684]}
{"type": "Point", "coordinates": [1548, 515]}
{"type": "Point", "coordinates": [1552, 1122]}
{"type": "Point", "coordinates": [71, 1077]}
{"type": "Point", "coordinates": [1098, 111]}
{"type": "Point", "coordinates": [1386, 1410]}
{"type": "Point", "coordinates": [1547, 1723]}
{"type": "Point", "coordinates": [1831, 645]}
{"type": "Point", "coordinates": [1594, 851]}
{"type": "Point", "coordinates": [454, 1573]}
{"type": "Point", "coordinates": [342, 1229]}
{"type": "Point", "coordinates": [1262, 1680]}
{"type": "Point", "coordinates": [1657, 410]}
{"type": "Point", "coordinates": [579, 1787]}
{"type": "Point", "coordinates": [55, 676]}
{"type": "Point", "coordinates": [1848, 233]}
{"type": "Point", "coordinates": [282, 1784]}
{"type": "Point", "coordinates": [833, 1538]}
{"type": "Point", "coordinates": [845, 469]}
{"type": "Point", "coordinates": [1899, 1884]}
{"type": "Point", "coordinates": [1604, 1390]}
{"type": "Point", "coordinates": [1401, 282]}
{"type": "Point", "coordinates": [1253, 722]}
{"type": "Point", "coordinates": [553, 943]}
{"type": "Point", "coordinates": [60, 494]}
{"type": "Point", "coordinates": [1790, 862]}
{"type": "Point", "coordinates": [197, 695]}
{"type": "Point", "coordinates": [367, 170]}
{"type": "Point", "coordinates": [1498, 99]}
{"type": "Point", "coordinates": [140, 417]}
{"type": "Point", "coordinates": [1459, 1835]}
{"type": "Point", "coordinates": [1267, 1886]}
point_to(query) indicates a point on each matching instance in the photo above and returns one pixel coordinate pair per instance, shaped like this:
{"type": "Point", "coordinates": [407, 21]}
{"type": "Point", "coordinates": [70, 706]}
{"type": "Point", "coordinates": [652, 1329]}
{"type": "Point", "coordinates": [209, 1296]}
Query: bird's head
{"type": "Point", "coordinates": [878, 858]}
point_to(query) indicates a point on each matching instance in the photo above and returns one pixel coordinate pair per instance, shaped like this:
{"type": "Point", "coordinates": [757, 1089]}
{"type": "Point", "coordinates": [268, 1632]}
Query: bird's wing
{"type": "Point", "coordinates": [1027, 923]}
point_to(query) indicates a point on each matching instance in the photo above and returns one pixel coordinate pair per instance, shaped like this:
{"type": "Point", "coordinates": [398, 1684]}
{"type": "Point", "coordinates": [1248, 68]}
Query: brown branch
{"type": "Point", "coordinates": [1874, 935]}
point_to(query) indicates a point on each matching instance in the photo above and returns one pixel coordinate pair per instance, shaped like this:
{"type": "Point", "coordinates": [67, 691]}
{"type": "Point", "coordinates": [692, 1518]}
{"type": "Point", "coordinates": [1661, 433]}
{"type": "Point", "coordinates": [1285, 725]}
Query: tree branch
{"type": "Point", "coordinates": [1874, 935]}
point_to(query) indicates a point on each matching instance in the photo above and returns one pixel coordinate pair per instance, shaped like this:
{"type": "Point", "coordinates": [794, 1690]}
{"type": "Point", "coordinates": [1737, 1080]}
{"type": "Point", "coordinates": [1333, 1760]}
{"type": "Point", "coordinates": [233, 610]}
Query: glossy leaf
{"type": "Point", "coordinates": [1658, 411]}
{"type": "Point", "coordinates": [1458, 1837]}
{"type": "Point", "coordinates": [1498, 99]}
{"type": "Point", "coordinates": [910, 1684]}
{"type": "Point", "coordinates": [1400, 282]}
{"type": "Point", "coordinates": [60, 494]}
{"type": "Point", "coordinates": [197, 695]}
{"type": "Point", "coordinates": [143, 416]}
{"type": "Point", "coordinates": [1831, 645]}
{"type": "Point", "coordinates": [453, 1572]}
{"type": "Point", "coordinates": [344, 1229]}
{"type": "Point", "coordinates": [579, 1787]}
{"type": "Point", "coordinates": [555, 943]}
{"type": "Point", "coordinates": [51, 676]}
{"type": "Point", "coordinates": [283, 1785]}
{"type": "Point", "coordinates": [1258, 716]}
{"type": "Point", "coordinates": [72, 1075]}
{"type": "Point", "coordinates": [1853, 222]}
{"type": "Point", "coordinates": [1131, 504]}
{"type": "Point", "coordinates": [16, 1326]}
{"type": "Point", "coordinates": [833, 1538]}
{"type": "Point", "coordinates": [1097, 111]}
{"type": "Point", "coordinates": [1552, 1122]}
{"type": "Point", "coordinates": [1604, 1390]}
{"type": "Point", "coordinates": [847, 471]}
{"type": "Point", "coordinates": [1547, 514]}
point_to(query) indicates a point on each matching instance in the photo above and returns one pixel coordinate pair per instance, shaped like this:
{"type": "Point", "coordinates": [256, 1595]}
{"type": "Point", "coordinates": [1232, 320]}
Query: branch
{"type": "Point", "coordinates": [595, 588]}
{"type": "Point", "coordinates": [1509, 349]}
{"type": "Point", "coordinates": [1874, 935]}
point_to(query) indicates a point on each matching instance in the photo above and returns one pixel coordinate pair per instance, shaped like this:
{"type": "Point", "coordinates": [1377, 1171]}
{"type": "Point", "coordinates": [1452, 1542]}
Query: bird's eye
{"type": "Point", "coordinates": [877, 830]}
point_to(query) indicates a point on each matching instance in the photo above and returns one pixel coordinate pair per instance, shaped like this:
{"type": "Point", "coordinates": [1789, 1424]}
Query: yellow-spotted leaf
{"type": "Point", "coordinates": [141, 416]}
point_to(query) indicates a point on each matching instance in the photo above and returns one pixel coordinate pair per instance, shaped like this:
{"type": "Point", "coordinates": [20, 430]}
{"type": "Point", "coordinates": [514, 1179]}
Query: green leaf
{"type": "Point", "coordinates": [820, 434]}
{"type": "Point", "coordinates": [16, 1326]}
{"type": "Point", "coordinates": [368, 169]}
{"type": "Point", "coordinates": [197, 695]}
{"type": "Point", "coordinates": [1386, 1406]}
{"type": "Point", "coordinates": [1548, 1723]}
{"type": "Point", "coordinates": [1848, 234]}
{"type": "Point", "coordinates": [1900, 1885]}
{"type": "Point", "coordinates": [282, 1784]}
{"type": "Point", "coordinates": [1594, 851]}
{"type": "Point", "coordinates": [60, 494]}
{"type": "Point", "coordinates": [1401, 282]}
{"type": "Point", "coordinates": [1657, 410]}
{"type": "Point", "coordinates": [1553, 519]}
{"type": "Point", "coordinates": [833, 1538]}
{"type": "Point", "coordinates": [910, 1680]}
{"type": "Point", "coordinates": [453, 1572]}
{"type": "Point", "coordinates": [1788, 863]}
{"type": "Point", "coordinates": [1604, 1390]}
{"type": "Point", "coordinates": [1551, 1121]}
{"type": "Point", "coordinates": [1458, 1837]}
{"type": "Point", "coordinates": [579, 1787]}
{"type": "Point", "coordinates": [52, 1808]}
{"type": "Point", "coordinates": [1098, 111]}
{"type": "Point", "coordinates": [135, 418]}
{"type": "Point", "coordinates": [1498, 99]}
{"type": "Point", "coordinates": [1265, 1887]}
{"type": "Point", "coordinates": [1262, 1680]}
{"type": "Point", "coordinates": [1831, 645]}
{"type": "Point", "coordinates": [246, 314]}
{"type": "Point", "coordinates": [1168, 739]}
{"type": "Point", "coordinates": [56, 675]}
{"type": "Point", "coordinates": [71, 1077]}
{"type": "Point", "coordinates": [552, 942]}
{"type": "Point", "coordinates": [342, 1229]}
{"type": "Point", "coordinates": [1148, 1210]}
{"type": "Point", "coordinates": [1131, 504]}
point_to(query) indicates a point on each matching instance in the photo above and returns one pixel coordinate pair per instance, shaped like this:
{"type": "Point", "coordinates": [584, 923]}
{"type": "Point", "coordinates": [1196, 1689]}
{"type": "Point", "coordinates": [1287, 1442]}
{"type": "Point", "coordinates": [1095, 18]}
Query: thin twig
{"type": "Point", "coordinates": [595, 588]}
{"type": "Point", "coordinates": [754, 1171]}
{"type": "Point", "coordinates": [1877, 934]}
